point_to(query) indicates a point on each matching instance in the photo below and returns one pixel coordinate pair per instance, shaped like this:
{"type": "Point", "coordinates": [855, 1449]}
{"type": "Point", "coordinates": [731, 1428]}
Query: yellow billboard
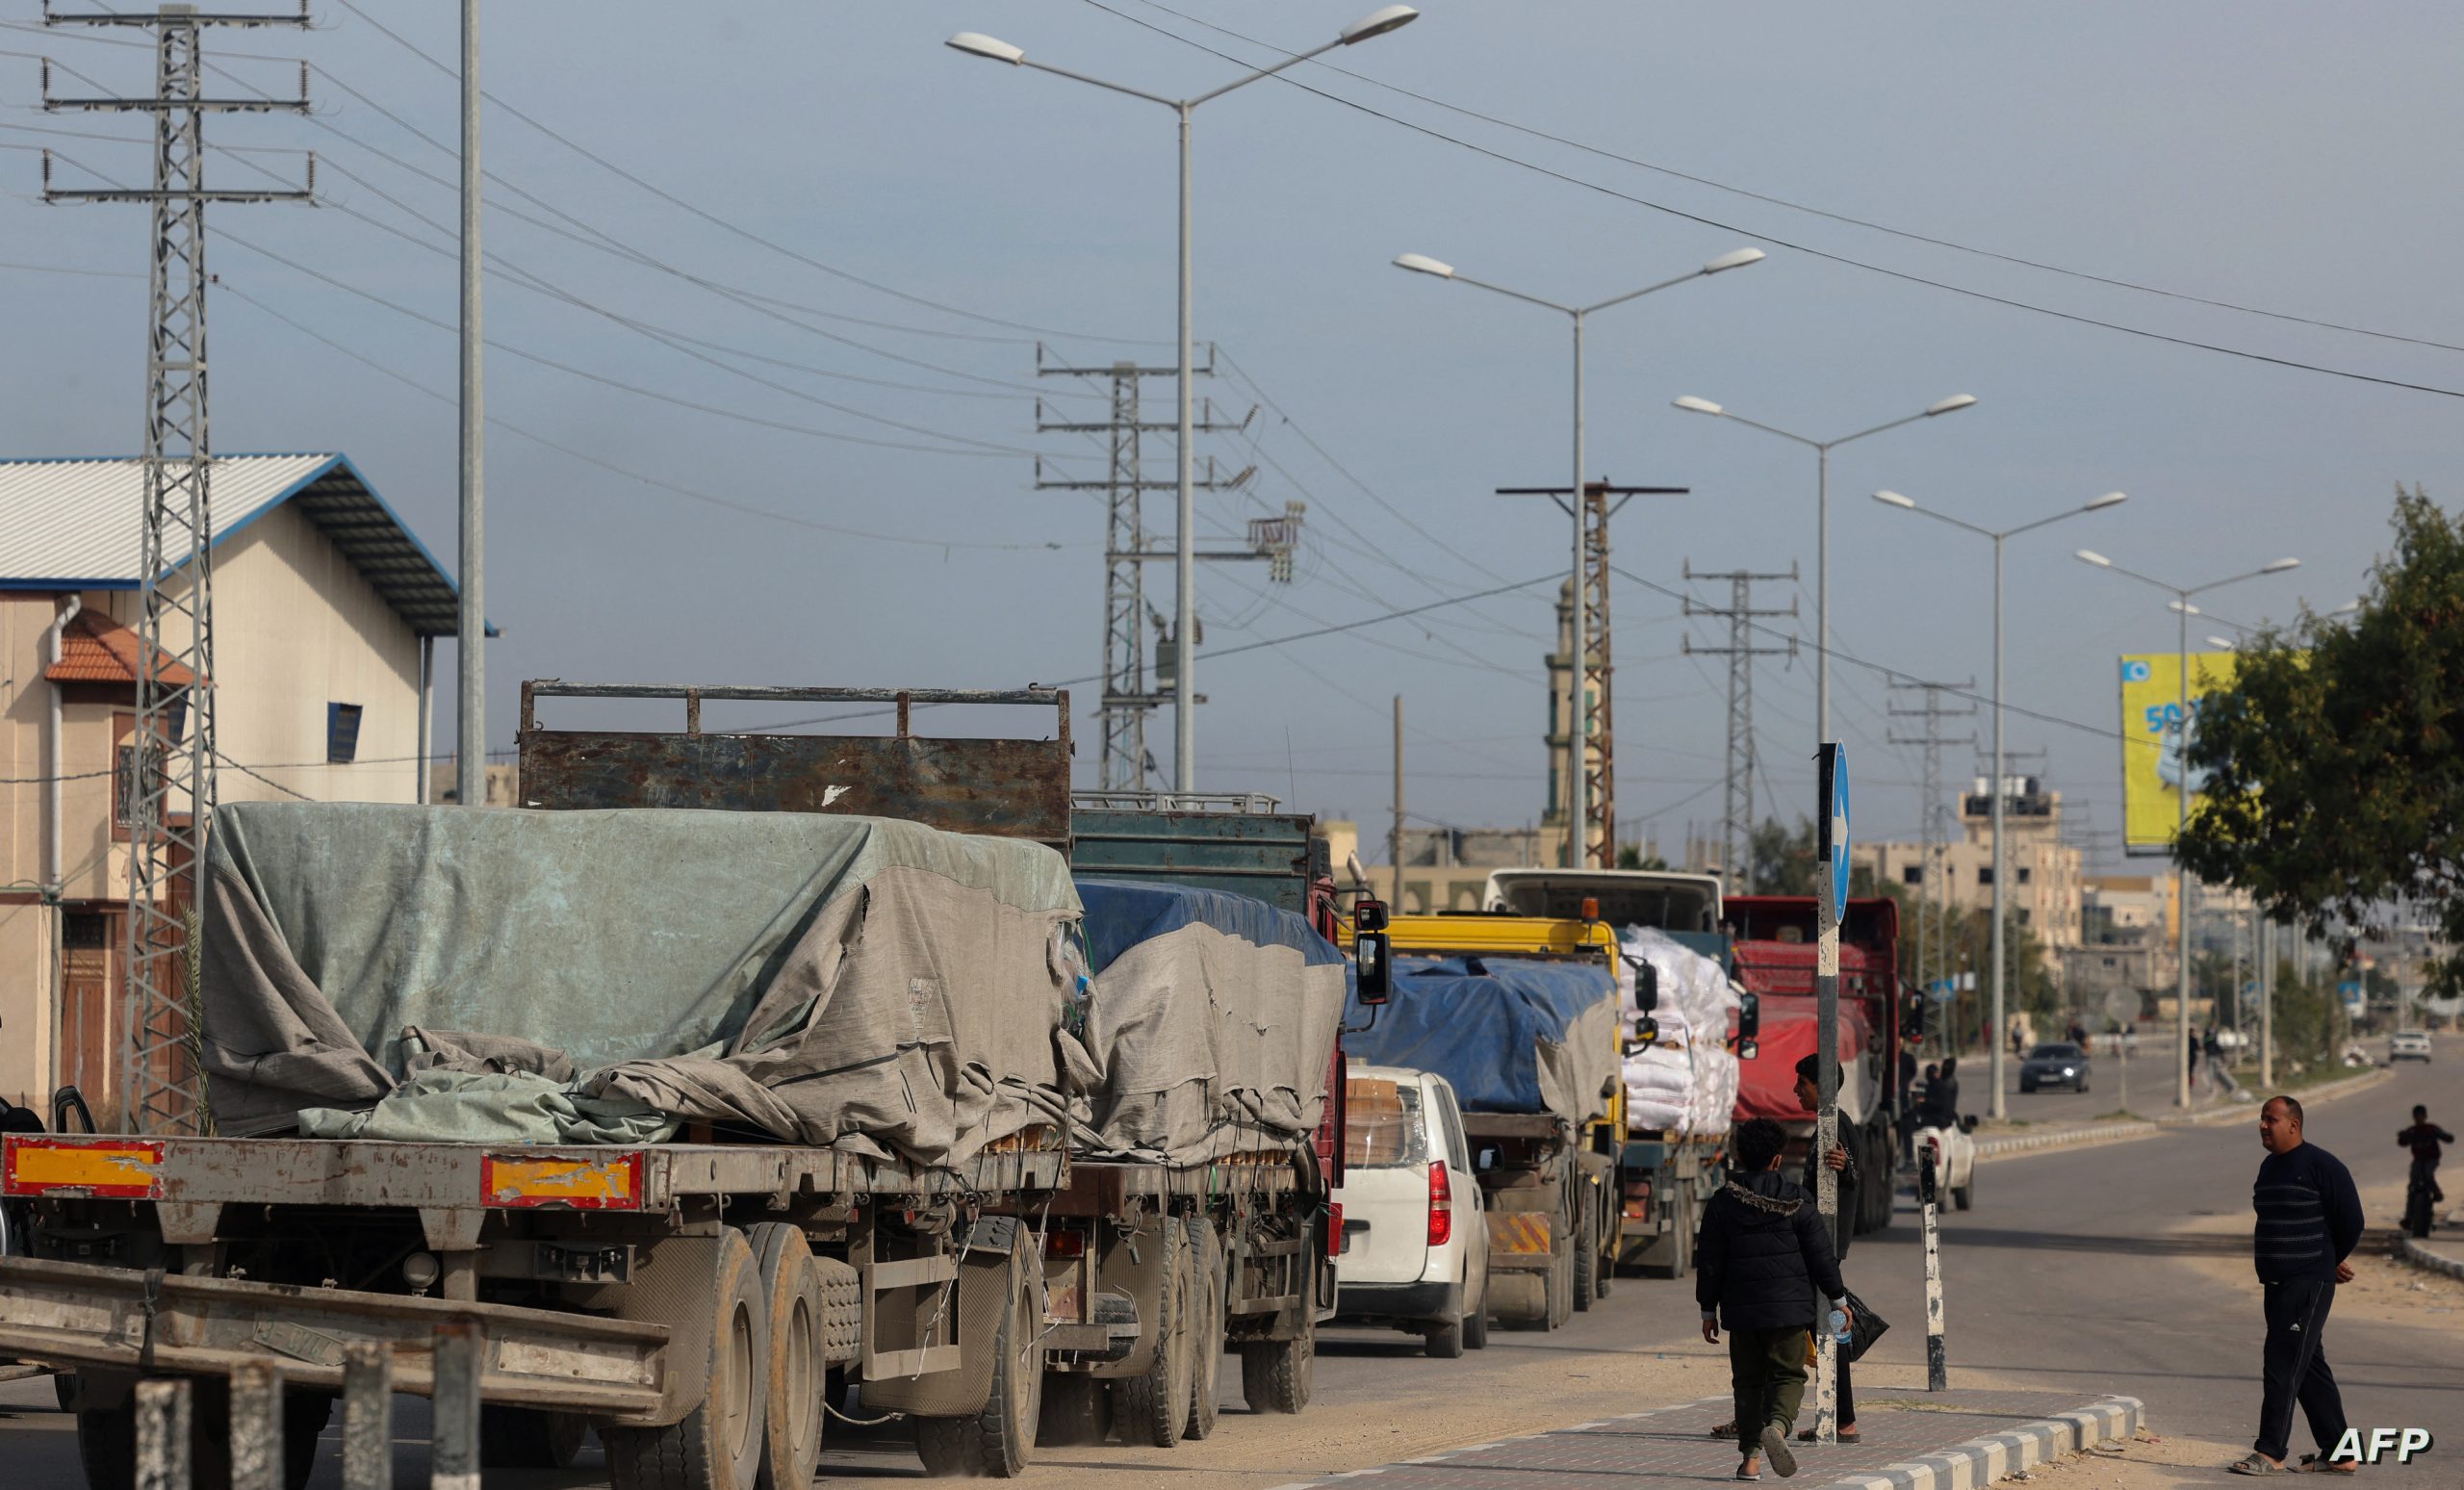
{"type": "Point", "coordinates": [2151, 751]}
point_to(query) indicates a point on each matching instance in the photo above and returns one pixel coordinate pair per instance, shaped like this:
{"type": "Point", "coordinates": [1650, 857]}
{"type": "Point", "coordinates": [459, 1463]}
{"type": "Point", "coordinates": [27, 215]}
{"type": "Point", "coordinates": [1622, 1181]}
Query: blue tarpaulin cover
{"type": "Point", "coordinates": [1121, 913]}
{"type": "Point", "coordinates": [1511, 1036]}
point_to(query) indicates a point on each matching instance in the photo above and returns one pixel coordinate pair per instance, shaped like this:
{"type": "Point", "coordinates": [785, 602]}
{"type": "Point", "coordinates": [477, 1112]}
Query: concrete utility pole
{"type": "Point", "coordinates": [1930, 913]}
{"type": "Point", "coordinates": [1591, 669]}
{"type": "Point", "coordinates": [1737, 819]}
{"type": "Point", "coordinates": [161, 1089]}
{"type": "Point", "coordinates": [1126, 698]}
{"type": "Point", "coordinates": [471, 628]}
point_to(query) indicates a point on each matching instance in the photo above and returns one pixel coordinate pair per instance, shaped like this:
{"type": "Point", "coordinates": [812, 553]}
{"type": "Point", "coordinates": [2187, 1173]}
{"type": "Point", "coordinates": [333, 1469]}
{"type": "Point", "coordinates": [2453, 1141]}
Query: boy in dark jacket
{"type": "Point", "coordinates": [1761, 1254]}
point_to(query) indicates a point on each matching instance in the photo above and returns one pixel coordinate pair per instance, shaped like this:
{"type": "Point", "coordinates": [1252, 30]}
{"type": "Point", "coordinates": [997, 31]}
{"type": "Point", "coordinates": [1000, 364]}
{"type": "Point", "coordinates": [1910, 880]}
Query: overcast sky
{"type": "Point", "coordinates": [2276, 155]}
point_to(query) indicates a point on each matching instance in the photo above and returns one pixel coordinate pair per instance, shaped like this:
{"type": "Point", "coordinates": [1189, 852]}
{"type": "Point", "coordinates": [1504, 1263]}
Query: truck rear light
{"type": "Point", "coordinates": [1441, 1206]}
{"type": "Point", "coordinates": [523, 1182]}
{"type": "Point", "coordinates": [1335, 1229]}
{"type": "Point", "coordinates": [1638, 1199]}
{"type": "Point", "coordinates": [109, 1170]}
{"type": "Point", "coordinates": [1062, 1242]}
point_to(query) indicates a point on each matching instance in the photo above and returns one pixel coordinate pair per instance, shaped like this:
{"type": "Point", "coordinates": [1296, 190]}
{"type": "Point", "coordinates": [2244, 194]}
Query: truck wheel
{"type": "Point", "coordinates": [1276, 1375]}
{"type": "Point", "coordinates": [1965, 1195]}
{"type": "Point", "coordinates": [1077, 1411]}
{"type": "Point", "coordinates": [793, 1373]}
{"type": "Point", "coordinates": [1206, 1337]}
{"type": "Point", "coordinates": [1154, 1407]}
{"type": "Point", "coordinates": [518, 1438]}
{"type": "Point", "coordinates": [995, 1443]}
{"type": "Point", "coordinates": [1444, 1342]}
{"type": "Point", "coordinates": [1476, 1324]}
{"type": "Point", "coordinates": [718, 1445]}
{"type": "Point", "coordinates": [1586, 1267]}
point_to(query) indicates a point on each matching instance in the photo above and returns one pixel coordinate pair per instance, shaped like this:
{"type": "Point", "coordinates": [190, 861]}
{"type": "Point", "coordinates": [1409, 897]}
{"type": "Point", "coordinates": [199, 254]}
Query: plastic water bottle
{"type": "Point", "coordinates": [1839, 1327]}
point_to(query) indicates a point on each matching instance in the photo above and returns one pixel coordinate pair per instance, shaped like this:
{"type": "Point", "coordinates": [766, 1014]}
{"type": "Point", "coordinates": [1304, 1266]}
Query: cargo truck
{"type": "Point", "coordinates": [1520, 1015]}
{"type": "Point", "coordinates": [697, 1294]}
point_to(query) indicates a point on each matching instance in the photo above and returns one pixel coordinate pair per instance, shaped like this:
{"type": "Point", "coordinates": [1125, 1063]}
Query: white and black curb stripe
{"type": "Point", "coordinates": [1981, 1461]}
{"type": "Point", "coordinates": [2409, 1250]}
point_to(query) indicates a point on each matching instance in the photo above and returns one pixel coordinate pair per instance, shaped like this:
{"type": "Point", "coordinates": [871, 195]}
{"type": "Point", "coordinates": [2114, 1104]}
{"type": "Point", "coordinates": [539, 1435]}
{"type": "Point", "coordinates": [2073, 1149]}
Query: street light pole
{"type": "Point", "coordinates": [2182, 606]}
{"type": "Point", "coordinates": [1998, 1106]}
{"type": "Point", "coordinates": [1377, 23]}
{"type": "Point", "coordinates": [1822, 524]}
{"type": "Point", "coordinates": [1578, 704]}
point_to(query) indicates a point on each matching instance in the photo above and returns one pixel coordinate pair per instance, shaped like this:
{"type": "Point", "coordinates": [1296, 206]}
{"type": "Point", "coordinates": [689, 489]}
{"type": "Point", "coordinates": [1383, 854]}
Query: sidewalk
{"type": "Point", "coordinates": [1912, 1441]}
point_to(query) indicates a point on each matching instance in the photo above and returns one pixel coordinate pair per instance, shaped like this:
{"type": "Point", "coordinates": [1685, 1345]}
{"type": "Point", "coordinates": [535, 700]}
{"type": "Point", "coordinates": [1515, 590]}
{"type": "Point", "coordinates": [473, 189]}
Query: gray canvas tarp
{"type": "Point", "coordinates": [1212, 1024]}
{"type": "Point", "coordinates": [597, 976]}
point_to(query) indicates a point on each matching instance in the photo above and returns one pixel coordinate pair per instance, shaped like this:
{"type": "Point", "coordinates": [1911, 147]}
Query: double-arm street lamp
{"type": "Point", "coordinates": [1579, 704]}
{"type": "Point", "coordinates": [1377, 23]}
{"type": "Point", "coordinates": [1822, 449]}
{"type": "Point", "coordinates": [2182, 607]}
{"type": "Point", "coordinates": [2001, 870]}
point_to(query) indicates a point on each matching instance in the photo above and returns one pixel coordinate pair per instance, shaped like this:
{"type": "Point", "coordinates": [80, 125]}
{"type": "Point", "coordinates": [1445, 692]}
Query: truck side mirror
{"type": "Point", "coordinates": [1646, 985]}
{"type": "Point", "coordinates": [1968, 1124]}
{"type": "Point", "coordinates": [1749, 1015]}
{"type": "Point", "coordinates": [1374, 955]}
{"type": "Point", "coordinates": [1368, 916]}
{"type": "Point", "coordinates": [1748, 1049]}
{"type": "Point", "coordinates": [1647, 1031]}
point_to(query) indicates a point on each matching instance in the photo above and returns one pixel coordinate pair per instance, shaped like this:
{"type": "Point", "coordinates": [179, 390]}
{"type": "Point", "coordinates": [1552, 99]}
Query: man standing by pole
{"type": "Point", "coordinates": [2309, 1219]}
{"type": "Point", "coordinates": [1832, 773]}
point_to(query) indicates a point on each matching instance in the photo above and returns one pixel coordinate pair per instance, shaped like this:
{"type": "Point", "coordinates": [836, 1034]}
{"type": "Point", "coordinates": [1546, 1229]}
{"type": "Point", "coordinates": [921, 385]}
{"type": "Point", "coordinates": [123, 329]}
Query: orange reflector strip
{"type": "Point", "coordinates": [1526, 1232]}
{"type": "Point", "coordinates": [114, 1169]}
{"type": "Point", "coordinates": [611, 1184]}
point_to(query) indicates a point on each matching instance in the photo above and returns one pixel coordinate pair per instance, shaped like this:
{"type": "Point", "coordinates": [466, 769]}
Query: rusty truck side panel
{"type": "Point", "coordinates": [1017, 788]}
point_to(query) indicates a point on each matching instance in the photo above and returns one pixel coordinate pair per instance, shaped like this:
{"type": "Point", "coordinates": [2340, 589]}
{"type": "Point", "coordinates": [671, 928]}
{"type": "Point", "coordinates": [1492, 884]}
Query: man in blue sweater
{"type": "Point", "coordinates": [2309, 1219]}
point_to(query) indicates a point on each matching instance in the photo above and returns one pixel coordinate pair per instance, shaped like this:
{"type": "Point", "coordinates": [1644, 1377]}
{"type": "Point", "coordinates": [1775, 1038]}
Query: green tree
{"type": "Point", "coordinates": [1629, 855]}
{"type": "Point", "coordinates": [2336, 772]}
{"type": "Point", "coordinates": [1780, 860]}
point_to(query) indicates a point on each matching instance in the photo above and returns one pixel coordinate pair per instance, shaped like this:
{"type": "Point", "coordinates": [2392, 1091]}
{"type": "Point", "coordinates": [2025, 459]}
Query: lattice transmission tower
{"type": "Point", "coordinates": [1736, 818]}
{"type": "Point", "coordinates": [169, 769]}
{"type": "Point", "coordinates": [1132, 687]}
{"type": "Point", "coordinates": [1932, 902]}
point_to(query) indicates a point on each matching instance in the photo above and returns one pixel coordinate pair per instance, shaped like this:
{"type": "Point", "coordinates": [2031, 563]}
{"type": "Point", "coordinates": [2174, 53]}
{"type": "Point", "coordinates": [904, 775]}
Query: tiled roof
{"type": "Point", "coordinates": [98, 648]}
{"type": "Point", "coordinates": [73, 525]}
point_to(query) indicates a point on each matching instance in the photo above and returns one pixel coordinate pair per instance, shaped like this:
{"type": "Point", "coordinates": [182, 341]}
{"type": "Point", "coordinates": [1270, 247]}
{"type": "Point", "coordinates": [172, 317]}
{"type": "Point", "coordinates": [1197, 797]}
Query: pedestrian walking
{"type": "Point", "coordinates": [2424, 1138]}
{"type": "Point", "coordinates": [1762, 1265]}
{"type": "Point", "coordinates": [2308, 1222]}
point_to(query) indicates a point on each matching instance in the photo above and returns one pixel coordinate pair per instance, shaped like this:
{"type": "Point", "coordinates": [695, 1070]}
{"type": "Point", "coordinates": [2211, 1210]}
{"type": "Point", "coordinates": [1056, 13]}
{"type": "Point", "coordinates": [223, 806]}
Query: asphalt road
{"type": "Point", "coordinates": [2078, 1271]}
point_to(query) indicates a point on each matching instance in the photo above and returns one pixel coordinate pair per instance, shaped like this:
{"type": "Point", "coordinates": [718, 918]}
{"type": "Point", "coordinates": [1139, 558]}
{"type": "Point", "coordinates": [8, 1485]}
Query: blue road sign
{"type": "Point", "coordinates": [1839, 831]}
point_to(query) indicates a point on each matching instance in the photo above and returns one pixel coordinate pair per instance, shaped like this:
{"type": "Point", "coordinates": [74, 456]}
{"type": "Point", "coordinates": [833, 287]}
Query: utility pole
{"type": "Point", "coordinates": [471, 623]}
{"type": "Point", "coordinates": [1928, 917]}
{"type": "Point", "coordinates": [1591, 764]}
{"type": "Point", "coordinates": [1127, 698]}
{"type": "Point", "coordinates": [1394, 850]}
{"type": "Point", "coordinates": [1738, 822]}
{"type": "Point", "coordinates": [171, 759]}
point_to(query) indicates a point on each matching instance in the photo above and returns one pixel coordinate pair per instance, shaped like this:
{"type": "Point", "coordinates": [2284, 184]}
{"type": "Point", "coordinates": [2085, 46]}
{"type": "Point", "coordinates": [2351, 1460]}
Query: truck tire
{"type": "Point", "coordinates": [1586, 1269]}
{"type": "Point", "coordinates": [718, 1445]}
{"type": "Point", "coordinates": [1206, 1338]}
{"type": "Point", "coordinates": [1443, 1342]}
{"type": "Point", "coordinates": [997, 1443]}
{"type": "Point", "coordinates": [518, 1438]}
{"type": "Point", "coordinates": [1153, 1408]}
{"type": "Point", "coordinates": [1277, 1375]}
{"type": "Point", "coordinates": [1077, 1411]}
{"type": "Point", "coordinates": [1476, 1322]}
{"type": "Point", "coordinates": [797, 1360]}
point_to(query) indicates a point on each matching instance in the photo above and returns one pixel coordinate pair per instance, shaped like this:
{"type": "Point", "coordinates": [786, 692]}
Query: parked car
{"type": "Point", "coordinates": [2056, 1064]}
{"type": "Point", "coordinates": [1415, 1249]}
{"type": "Point", "coordinates": [2408, 1046]}
{"type": "Point", "coordinates": [1953, 1159]}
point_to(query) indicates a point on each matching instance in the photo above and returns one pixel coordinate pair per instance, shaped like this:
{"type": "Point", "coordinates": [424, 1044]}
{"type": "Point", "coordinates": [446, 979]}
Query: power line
{"type": "Point", "coordinates": [1807, 250]}
{"type": "Point", "coordinates": [1820, 211]}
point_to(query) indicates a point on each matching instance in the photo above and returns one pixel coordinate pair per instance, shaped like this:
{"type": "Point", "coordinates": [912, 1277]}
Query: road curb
{"type": "Point", "coordinates": [2411, 1251]}
{"type": "Point", "coordinates": [1981, 1461]}
{"type": "Point", "coordinates": [2124, 1132]}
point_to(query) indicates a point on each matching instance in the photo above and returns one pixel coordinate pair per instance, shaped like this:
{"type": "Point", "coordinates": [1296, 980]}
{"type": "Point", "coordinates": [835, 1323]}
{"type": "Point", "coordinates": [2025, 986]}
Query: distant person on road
{"type": "Point", "coordinates": [1758, 1260]}
{"type": "Point", "coordinates": [2309, 1219]}
{"type": "Point", "coordinates": [1943, 1097]}
{"type": "Point", "coordinates": [2424, 1138]}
